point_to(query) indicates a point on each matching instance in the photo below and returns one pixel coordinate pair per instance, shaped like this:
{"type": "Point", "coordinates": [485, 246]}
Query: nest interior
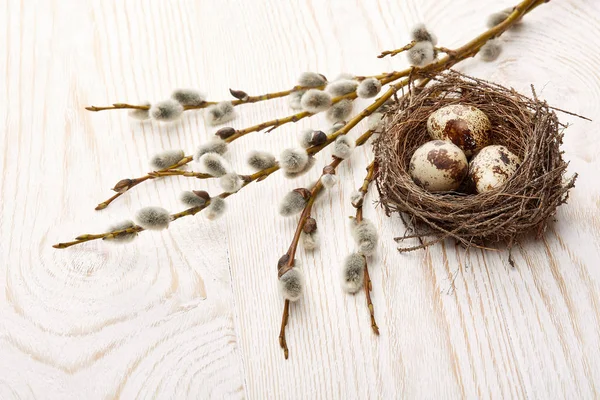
{"type": "Point", "coordinates": [528, 127]}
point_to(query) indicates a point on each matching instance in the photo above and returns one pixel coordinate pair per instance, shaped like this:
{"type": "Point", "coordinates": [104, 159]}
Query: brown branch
{"type": "Point", "coordinates": [205, 104]}
{"type": "Point", "coordinates": [249, 99]}
{"type": "Point", "coordinates": [291, 253]}
{"type": "Point", "coordinates": [368, 286]}
{"type": "Point", "coordinates": [135, 229]}
{"type": "Point", "coordinates": [124, 185]}
{"type": "Point", "coordinates": [284, 320]}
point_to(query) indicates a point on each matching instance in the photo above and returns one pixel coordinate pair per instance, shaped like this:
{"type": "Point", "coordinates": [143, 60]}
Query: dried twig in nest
{"type": "Point", "coordinates": [528, 127]}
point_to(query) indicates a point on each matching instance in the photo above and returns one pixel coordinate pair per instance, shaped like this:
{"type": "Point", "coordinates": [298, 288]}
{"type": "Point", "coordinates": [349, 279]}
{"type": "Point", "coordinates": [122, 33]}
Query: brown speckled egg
{"type": "Point", "coordinates": [465, 126]}
{"type": "Point", "coordinates": [438, 166]}
{"type": "Point", "coordinates": [492, 167]}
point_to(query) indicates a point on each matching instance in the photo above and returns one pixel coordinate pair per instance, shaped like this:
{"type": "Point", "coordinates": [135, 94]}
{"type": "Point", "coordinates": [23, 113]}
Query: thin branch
{"type": "Point", "coordinates": [205, 104]}
{"type": "Point", "coordinates": [367, 284]}
{"type": "Point", "coordinates": [124, 185]}
{"type": "Point", "coordinates": [291, 253]}
{"type": "Point", "coordinates": [284, 320]}
{"type": "Point", "coordinates": [249, 99]}
{"type": "Point", "coordinates": [392, 53]}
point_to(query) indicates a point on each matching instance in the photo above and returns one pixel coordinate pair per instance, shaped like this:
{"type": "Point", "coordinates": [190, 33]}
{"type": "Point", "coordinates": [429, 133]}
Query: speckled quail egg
{"type": "Point", "coordinates": [465, 126]}
{"type": "Point", "coordinates": [438, 166]}
{"type": "Point", "coordinates": [492, 167]}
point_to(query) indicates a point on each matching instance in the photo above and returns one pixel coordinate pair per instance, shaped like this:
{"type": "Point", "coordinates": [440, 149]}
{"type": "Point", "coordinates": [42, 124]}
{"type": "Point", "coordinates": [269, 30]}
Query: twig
{"type": "Point", "coordinates": [179, 172]}
{"type": "Point", "coordinates": [284, 321]}
{"type": "Point", "coordinates": [392, 53]}
{"type": "Point", "coordinates": [135, 229]}
{"type": "Point", "coordinates": [127, 184]}
{"type": "Point", "coordinates": [368, 286]}
{"type": "Point", "coordinates": [249, 99]}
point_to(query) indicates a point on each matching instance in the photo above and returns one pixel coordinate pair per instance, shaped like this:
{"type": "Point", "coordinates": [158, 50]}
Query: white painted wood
{"type": "Point", "coordinates": [194, 312]}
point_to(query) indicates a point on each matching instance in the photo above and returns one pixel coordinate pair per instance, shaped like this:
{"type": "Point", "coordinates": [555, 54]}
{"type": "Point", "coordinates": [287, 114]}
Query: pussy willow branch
{"type": "Point", "coordinates": [238, 134]}
{"type": "Point", "coordinates": [132, 182]}
{"type": "Point", "coordinates": [256, 177]}
{"type": "Point", "coordinates": [250, 99]}
{"type": "Point", "coordinates": [368, 286]}
{"type": "Point", "coordinates": [471, 48]}
{"type": "Point", "coordinates": [291, 253]}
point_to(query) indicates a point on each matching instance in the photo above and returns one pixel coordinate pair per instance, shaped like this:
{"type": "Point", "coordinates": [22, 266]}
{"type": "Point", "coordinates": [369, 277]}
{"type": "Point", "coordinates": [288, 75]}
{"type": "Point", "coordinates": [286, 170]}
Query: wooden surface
{"type": "Point", "coordinates": [193, 312]}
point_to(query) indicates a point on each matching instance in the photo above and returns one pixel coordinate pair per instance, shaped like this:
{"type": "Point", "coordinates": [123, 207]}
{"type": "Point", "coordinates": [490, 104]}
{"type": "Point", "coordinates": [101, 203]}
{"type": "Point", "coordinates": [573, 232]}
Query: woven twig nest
{"type": "Point", "coordinates": [523, 205]}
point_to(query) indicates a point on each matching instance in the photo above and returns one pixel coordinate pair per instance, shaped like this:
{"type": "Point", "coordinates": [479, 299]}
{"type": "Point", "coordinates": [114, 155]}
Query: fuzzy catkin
{"type": "Point", "coordinates": [220, 113]}
{"type": "Point", "coordinates": [231, 182]}
{"type": "Point", "coordinates": [308, 138]}
{"type": "Point", "coordinates": [293, 160]}
{"type": "Point", "coordinates": [291, 284]}
{"type": "Point", "coordinates": [343, 147]}
{"type": "Point", "coordinates": [353, 272]}
{"type": "Point", "coordinates": [336, 127]}
{"type": "Point", "coordinates": [123, 237]}
{"type": "Point", "coordinates": [292, 204]}
{"type": "Point", "coordinates": [259, 160]}
{"type": "Point", "coordinates": [294, 99]}
{"type": "Point", "coordinates": [365, 235]}
{"type": "Point", "coordinates": [214, 145]}
{"type": "Point", "coordinates": [188, 97]}
{"type": "Point", "coordinates": [368, 88]}
{"type": "Point", "coordinates": [498, 17]}
{"type": "Point", "coordinates": [291, 175]}
{"type": "Point", "coordinates": [191, 199]}
{"type": "Point", "coordinates": [215, 209]}
{"type": "Point", "coordinates": [314, 101]}
{"type": "Point", "coordinates": [141, 115]}
{"type": "Point", "coordinates": [311, 79]}
{"type": "Point", "coordinates": [329, 180]}
{"type": "Point", "coordinates": [153, 218]}
{"type": "Point", "coordinates": [305, 137]}
{"type": "Point", "coordinates": [422, 53]}
{"type": "Point", "coordinates": [214, 164]}
{"type": "Point", "coordinates": [490, 50]}
{"type": "Point", "coordinates": [166, 110]}
{"type": "Point", "coordinates": [340, 110]}
{"type": "Point", "coordinates": [375, 121]}
{"type": "Point", "coordinates": [341, 87]}
{"type": "Point", "coordinates": [310, 241]}
{"type": "Point", "coordinates": [166, 158]}
{"type": "Point", "coordinates": [356, 198]}
{"type": "Point", "coordinates": [420, 33]}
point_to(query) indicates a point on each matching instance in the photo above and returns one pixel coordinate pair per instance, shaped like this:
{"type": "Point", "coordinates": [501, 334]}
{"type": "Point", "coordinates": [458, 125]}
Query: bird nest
{"type": "Point", "coordinates": [523, 205]}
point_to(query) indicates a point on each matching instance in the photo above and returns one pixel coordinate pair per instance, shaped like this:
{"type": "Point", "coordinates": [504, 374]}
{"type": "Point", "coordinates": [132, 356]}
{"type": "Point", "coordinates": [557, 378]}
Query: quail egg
{"type": "Point", "coordinates": [465, 126]}
{"type": "Point", "coordinates": [492, 167]}
{"type": "Point", "coordinates": [438, 166]}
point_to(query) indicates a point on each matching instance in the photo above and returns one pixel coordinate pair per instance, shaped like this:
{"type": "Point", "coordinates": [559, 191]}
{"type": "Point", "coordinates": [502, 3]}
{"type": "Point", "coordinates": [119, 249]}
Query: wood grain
{"type": "Point", "coordinates": [194, 312]}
